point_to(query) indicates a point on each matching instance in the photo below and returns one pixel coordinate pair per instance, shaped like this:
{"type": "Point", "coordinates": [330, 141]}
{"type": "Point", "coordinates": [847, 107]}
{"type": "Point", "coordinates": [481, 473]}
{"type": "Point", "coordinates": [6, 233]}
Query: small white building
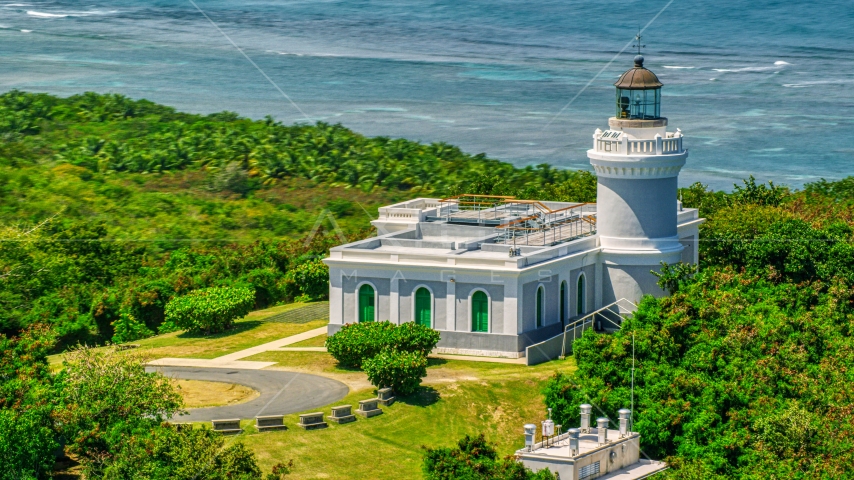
{"type": "Point", "coordinates": [588, 452]}
{"type": "Point", "coordinates": [497, 274]}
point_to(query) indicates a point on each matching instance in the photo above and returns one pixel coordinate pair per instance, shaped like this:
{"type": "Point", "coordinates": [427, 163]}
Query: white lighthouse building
{"type": "Point", "coordinates": [637, 162]}
{"type": "Point", "coordinates": [502, 276]}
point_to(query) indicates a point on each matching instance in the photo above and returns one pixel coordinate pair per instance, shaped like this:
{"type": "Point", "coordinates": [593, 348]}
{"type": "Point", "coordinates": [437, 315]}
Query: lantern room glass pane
{"type": "Point", "coordinates": [639, 104]}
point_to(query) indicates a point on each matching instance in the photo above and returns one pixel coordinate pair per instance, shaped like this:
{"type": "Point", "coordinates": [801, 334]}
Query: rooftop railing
{"type": "Point", "coordinates": [619, 143]}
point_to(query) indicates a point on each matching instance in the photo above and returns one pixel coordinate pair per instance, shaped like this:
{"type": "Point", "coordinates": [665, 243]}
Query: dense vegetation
{"type": "Point", "coordinates": [107, 412]}
{"type": "Point", "coordinates": [746, 370]}
{"type": "Point", "coordinates": [111, 207]}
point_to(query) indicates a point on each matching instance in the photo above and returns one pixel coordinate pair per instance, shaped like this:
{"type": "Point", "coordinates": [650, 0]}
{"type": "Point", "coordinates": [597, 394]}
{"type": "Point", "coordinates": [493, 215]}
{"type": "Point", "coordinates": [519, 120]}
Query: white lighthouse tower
{"type": "Point", "coordinates": [637, 162]}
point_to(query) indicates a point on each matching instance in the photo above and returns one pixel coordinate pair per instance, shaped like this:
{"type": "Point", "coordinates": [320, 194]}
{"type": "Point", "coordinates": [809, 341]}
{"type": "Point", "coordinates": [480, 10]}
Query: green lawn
{"type": "Point", "coordinates": [458, 398]}
{"type": "Point", "coordinates": [318, 341]}
{"type": "Point", "coordinates": [249, 331]}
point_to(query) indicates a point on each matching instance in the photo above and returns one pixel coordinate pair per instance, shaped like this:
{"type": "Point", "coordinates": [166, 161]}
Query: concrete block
{"type": "Point", "coordinates": [227, 426]}
{"type": "Point", "coordinates": [342, 414]}
{"type": "Point", "coordinates": [270, 422]}
{"type": "Point", "coordinates": [385, 396]}
{"type": "Point", "coordinates": [312, 421]}
{"type": "Point", "coordinates": [368, 408]}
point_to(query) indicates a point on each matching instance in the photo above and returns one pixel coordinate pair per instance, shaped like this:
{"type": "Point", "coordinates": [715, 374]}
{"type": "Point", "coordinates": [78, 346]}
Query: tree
{"type": "Point", "coordinates": [106, 396]}
{"type": "Point", "coordinates": [310, 278]}
{"type": "Point", "coordinates": [27, 431]}
{"type": "Point", "coordinates": [671, 277]}
{"type": "Point", "coordinates": [475, 459]}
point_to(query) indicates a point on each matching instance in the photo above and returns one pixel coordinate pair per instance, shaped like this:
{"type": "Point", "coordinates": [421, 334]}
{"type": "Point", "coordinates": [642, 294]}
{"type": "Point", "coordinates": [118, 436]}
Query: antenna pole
{"type": "Point", "coordinates": [632, 418]}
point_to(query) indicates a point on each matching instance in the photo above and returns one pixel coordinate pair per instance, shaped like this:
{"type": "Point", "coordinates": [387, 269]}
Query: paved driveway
{"type": "Point", "coordinates": [281, 392]}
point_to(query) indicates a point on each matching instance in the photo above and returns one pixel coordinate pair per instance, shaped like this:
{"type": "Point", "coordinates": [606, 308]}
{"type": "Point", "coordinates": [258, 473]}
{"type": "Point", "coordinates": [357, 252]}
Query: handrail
{"type": "Point", "coordinates": [471, 195]}
{"type": "Point", "coordinates": [590, 317]}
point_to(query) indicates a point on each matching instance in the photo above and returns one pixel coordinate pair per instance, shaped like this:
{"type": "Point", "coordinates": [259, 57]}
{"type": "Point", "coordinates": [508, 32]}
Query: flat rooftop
{"type": "Point", "coordinates": [480, 231]}
{"type": "Point", "coordinates": [587, 443]}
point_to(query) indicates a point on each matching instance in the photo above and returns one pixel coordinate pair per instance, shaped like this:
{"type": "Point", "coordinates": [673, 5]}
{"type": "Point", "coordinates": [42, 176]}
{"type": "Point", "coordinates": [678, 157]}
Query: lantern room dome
{"type": "Point", "coordinates": [638, 78]}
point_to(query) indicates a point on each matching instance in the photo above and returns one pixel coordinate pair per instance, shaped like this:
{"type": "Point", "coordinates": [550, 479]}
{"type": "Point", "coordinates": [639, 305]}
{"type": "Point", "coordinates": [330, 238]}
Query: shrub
{"type": "Point", "coordinates": [127, 329]}
{"type": "Point", "coordinates": [357, 342]}
{"type": "Point", "coordinates": [411, 337]}
{"type": "Point", "coordinates": [401, 371]}
{"type": "Point", "coordinates": [178, 454]}
{"type": "Point", "coordinates": [476, 459]}
{"type": "Point", "coordinates": [210, 310]}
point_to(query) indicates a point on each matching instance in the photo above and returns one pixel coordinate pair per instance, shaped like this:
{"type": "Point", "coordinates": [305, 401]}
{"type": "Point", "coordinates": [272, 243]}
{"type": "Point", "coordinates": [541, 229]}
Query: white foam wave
{"type": "Point", "coordinates": [679, 67]}
{"type": "Point", "coordinates": [17, 5]}
{"type": "Point", "coordinates": [46, 15]}
{"type": "Point", "coordinates": [777, 66]}
{"type": "Point", "coordinates": [37, 14]}
{"type": "Point", "coordinates": [306, 54]}
{"type": "Point", "coordinates": [26, 31]}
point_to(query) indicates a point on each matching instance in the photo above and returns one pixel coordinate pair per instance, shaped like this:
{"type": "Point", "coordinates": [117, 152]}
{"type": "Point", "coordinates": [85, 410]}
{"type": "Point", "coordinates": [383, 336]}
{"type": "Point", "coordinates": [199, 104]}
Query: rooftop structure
{"type": "Point", "coordinates": [497, 275]}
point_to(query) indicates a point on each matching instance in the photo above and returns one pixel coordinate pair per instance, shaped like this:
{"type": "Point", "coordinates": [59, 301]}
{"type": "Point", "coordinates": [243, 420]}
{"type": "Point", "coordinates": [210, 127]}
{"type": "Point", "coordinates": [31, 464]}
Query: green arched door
{"type": "Point", "coordinates": [539, 307]}
{"type": "Point", "coordinates": [479, 312]}
{"type": "Point", "coordinates": [579, 301]}
{"type": "Point", "coordinates": [423, 304]}
{"type": "Point", "coordinates": [367, 308]}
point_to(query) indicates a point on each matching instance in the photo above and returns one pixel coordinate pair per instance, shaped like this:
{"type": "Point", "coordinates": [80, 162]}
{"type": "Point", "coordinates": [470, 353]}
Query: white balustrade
{"type": "Point", "coordinates": [670, 144]}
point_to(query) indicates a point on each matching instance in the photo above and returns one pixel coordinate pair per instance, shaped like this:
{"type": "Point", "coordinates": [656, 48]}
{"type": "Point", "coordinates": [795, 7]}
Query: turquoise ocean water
{"type": "Point", "coordinates": [762, 87]}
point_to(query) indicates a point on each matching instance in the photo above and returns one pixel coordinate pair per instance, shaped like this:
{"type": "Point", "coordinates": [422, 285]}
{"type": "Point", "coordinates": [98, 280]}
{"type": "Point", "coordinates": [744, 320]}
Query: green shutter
{"type": "Point", "coordinates": [480, 312]}
{"type": "Point", "coordinates": [366, 303]}
{"type": "Point", "coordinates": [579, 302]}
{"type": "Point", "coordinates": [422, 307]}
{"type": "Point", "coordinates": [539, 307]}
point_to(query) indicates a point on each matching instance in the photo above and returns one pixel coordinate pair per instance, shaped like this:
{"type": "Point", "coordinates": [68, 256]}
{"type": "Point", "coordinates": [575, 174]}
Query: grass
{"type": "Point", "coordinates": [249, 331]}
{"type": "Point", "coordinates": [201, 393]}
{"type": "Point", "coordinates": [458, 398]}
{"type": "Point", "coordinates": [317, 341]}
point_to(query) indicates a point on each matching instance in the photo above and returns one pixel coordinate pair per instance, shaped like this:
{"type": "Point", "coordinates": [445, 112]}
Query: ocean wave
{"type": "Point", "coordinates": [34, 13]}
{"type": "Point", "coordinates": [679, 67]}
{"type": "Point", "coordinates": [306, 54]}
{"type": "Point", "coordinates": [818, 82]}
{"type": "Point", "coordinates": [26, 31]}
{"type": "Point", "coordinates": [777, 66]}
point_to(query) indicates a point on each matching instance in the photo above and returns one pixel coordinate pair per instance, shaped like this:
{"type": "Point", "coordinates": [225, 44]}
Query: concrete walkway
{"type": "Point", "coordinates": [232, 360]}
{"type": "Point", "coordinates": [281, 392]}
